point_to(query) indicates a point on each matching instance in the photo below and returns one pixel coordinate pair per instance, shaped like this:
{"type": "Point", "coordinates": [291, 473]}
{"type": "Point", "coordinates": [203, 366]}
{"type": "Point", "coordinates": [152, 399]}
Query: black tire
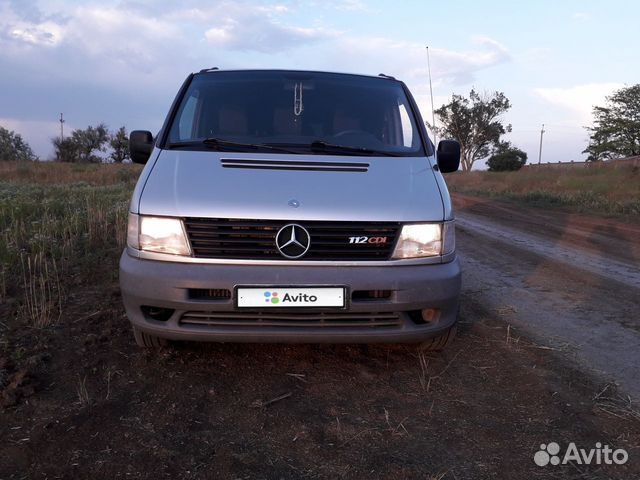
{"type": "Point", "coordinates": [148, 341]}
{"type": "Point", "coordinates": [439, 343]}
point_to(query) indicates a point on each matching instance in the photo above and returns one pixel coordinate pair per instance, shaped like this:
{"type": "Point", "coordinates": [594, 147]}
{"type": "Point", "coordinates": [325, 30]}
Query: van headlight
{"type": "Point", "coordinates": [425, 240]}
{"type": "Point", "coordinates": [157, 234]}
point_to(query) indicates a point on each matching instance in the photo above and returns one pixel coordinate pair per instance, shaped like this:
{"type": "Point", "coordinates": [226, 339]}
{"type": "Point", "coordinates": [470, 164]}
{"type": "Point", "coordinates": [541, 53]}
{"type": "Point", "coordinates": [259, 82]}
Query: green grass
{"type": "Point", "coordinates": [59, 222]}
{"type": "Point", "coordinates": [602, 189]}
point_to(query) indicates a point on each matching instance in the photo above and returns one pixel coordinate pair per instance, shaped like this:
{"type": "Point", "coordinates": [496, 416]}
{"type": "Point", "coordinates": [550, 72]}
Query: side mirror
{"type": "Point", "coordinates": [448, 156]}
{"type": "Point", "coordinates": [140, 146]}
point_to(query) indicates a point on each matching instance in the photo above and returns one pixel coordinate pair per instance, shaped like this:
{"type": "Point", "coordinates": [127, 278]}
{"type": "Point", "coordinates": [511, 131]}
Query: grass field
{"type": "Point", "coordinates": [597, 189]}
{"type": "Point", "coordinates": [58, 221]}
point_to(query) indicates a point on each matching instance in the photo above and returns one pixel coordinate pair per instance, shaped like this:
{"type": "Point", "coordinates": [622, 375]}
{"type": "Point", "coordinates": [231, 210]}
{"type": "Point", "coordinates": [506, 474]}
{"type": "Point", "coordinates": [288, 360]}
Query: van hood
{"type": "Point", "coordinates": [292, 187]}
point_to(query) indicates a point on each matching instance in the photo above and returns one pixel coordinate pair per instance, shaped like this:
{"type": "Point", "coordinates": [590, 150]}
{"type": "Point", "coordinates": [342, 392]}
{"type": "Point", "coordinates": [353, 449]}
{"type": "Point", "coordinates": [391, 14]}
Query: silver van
{"type": "Point", "coordinates": [291, 206]}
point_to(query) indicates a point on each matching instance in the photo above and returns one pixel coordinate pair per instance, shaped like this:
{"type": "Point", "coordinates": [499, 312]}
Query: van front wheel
{"type": "Point", "coordinates": [148, 341]}
{"type": "Point", "coordinates": [440, 342]}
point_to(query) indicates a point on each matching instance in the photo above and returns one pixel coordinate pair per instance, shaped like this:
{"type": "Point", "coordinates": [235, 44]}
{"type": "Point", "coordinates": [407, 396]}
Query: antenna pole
{"type": "Point", "coordinates": [433, 112]}
{"type": "Point", "coordinates": [540, 150]}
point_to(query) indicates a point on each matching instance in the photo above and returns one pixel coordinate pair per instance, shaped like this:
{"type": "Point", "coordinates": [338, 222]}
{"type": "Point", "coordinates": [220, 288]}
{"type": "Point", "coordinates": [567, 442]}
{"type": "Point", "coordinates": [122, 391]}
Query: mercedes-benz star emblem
{"type": "Point", "coordinates": [293, 241]}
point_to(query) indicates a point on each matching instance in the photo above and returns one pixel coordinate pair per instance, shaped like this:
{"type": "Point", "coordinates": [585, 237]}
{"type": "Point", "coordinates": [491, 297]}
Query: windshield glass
{"type": "Point", "coordinates": [297, 110]}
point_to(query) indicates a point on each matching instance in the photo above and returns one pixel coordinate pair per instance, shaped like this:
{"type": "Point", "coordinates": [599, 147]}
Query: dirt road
{"type": "Point", "coordinates": [571, 281]}
{"type": "Point", "coordinates": [80, 401]}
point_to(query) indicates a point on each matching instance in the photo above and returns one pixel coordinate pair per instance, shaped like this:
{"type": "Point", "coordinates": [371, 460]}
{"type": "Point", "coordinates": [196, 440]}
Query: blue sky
{"type": "Point", "coordinates": [122, 62]}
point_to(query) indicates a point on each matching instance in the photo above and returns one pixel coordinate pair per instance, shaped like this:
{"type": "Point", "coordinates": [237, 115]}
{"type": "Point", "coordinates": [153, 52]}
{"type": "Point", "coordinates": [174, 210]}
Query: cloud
{"type": "Point", "coordinates": [121, 46]}
{"type": "Point", "coordinates": [408, 60]}
{"type": "Point", "coordinates": [352, 5]}
{"type": "Point", "coordinates": [25, 25]}
{"type": "Point", "coordinates": [121, 61]}
{"type": "Point", "coordinates": [260, 29]}
{"type": "Point", "coordinates": [46, 34]}
{"type": "Point", "coordinates": [116, 48]}
{"type": "Point", "coordinates": [89, 28]}
{"type": "Point", "coordinates": [264, 38]}
{"type": "Point", "coordinates": [460, 67]}
{"type": "Point", "coordinates": [581, 17]}
{"type": "Point", "coordinates": [578, 101]}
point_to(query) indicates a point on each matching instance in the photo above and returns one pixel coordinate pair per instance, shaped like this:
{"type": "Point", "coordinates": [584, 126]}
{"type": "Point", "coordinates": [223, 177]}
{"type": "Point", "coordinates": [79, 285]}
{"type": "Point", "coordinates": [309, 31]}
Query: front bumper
{"type": "Point", "coordinates": [168, 285]}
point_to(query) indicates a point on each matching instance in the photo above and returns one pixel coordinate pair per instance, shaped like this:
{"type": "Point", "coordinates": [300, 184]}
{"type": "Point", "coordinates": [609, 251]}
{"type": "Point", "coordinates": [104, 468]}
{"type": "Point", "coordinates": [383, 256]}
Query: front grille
{"type": "Point", "coordinates": [255, 239]}
{"type": "Point", "coordinates": [209, 293]}
{"type": "Point", "coordinates": [370, 295]}
{"type": "Point", "coordinates": [288, 320]}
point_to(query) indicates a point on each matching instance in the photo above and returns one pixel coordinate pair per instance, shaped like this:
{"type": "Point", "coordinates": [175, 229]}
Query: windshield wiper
{"type": "Point", "coordinates": [217, 143]}
{"type": "Point", "coordinates": [322, 146]}
{"type": "Point", "coordinates": [220, 144]}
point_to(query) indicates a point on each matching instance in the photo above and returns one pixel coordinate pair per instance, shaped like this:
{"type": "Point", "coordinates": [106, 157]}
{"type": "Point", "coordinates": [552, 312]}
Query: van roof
{"type": "Point", "coordinates": [249, 70]}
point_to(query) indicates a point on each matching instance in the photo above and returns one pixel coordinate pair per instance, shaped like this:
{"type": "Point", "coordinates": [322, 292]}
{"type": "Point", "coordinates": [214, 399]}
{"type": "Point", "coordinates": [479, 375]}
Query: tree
{"type": "Point", "coordinates": [82, 145]}
{"type": "Point", "coordinates": [616, 127]}
{"type": "Point", "coordinates": [506, 157]}
{"type": "Point", "coordinates": [119, 143]}
{"type": "Point", "coordinates": [13, 147]}
{"type": "Point", "coordinates": [65, 150]}
{"type": "Point", "coordinates": [90, 140]}
{"type": "Point", "coordinates": [475, 123]}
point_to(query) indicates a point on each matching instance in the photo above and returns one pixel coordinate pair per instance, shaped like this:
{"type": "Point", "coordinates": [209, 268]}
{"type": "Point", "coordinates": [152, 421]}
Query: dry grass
{"type": "Point", "coordinates": [611, 402]}
{"type": "Point", "coordinates": [438, 476]}
{"type": "Point", "coordinates": [424, 370]}
{"type": "Point", "coordinates": [58, 221]}
{"type": "Point", "coordinates": [42, 305]}
{"type": "Point", "coordinates": [50, 173]}
{"type": "Point", "coordinates": [81, 390]}
{"type": "Point", "coordinates": [606, 188]}
{"type": "Point", "coordinates": [424, 378]}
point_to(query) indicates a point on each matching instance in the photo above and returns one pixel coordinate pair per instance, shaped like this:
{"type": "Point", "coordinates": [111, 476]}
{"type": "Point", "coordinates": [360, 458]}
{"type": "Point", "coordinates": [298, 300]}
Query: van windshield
{"type": "Point", "coordinates": [296, 112]}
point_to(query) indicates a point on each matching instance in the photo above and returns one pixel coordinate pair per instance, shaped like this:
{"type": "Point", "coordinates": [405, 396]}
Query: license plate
{"type": "Point", "coordinates": [269, 297]}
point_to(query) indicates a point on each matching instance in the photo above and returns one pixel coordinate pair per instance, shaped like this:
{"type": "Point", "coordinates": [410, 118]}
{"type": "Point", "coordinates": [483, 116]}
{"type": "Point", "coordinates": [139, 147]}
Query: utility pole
{"type": "Point", "coordinates": [61, 128]}
{"type": "Point", "coordinates": [540, 151]}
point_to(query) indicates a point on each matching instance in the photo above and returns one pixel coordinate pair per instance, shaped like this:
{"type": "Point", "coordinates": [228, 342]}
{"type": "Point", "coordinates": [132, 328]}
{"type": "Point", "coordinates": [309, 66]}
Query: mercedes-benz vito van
{"type": "Point", "coordinates": [291, 206]}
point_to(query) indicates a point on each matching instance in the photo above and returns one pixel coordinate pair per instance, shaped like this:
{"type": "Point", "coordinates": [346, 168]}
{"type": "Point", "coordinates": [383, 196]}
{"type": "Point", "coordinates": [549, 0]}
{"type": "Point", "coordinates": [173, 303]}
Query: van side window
{"type": "Point", "coordinates": [187, 118]}
{"type": "Point", "coordinates": [407, 129]}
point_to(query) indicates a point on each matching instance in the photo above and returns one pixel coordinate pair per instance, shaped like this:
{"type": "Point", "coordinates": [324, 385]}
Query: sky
{"type": "Point", "coordinates": [122, 62]}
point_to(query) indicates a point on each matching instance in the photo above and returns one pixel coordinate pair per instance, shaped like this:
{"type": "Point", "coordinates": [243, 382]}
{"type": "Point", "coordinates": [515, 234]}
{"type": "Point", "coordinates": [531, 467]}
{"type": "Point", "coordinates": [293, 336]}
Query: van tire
{"type": "Point", "coordinates": [439, 343]}
{"type": "Point", "coordinates": [148, 341]}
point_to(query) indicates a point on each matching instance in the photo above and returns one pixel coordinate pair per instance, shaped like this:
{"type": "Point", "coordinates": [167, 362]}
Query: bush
{"type": "Point", "coordinates": [506, 158]}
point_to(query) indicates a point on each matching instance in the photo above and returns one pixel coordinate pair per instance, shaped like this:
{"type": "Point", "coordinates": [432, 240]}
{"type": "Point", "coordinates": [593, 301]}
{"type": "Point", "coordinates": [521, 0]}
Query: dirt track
{"type": "Point", "coordinates": [82, 401]}
{"type": "Point", "coordinates": [569, 280]}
